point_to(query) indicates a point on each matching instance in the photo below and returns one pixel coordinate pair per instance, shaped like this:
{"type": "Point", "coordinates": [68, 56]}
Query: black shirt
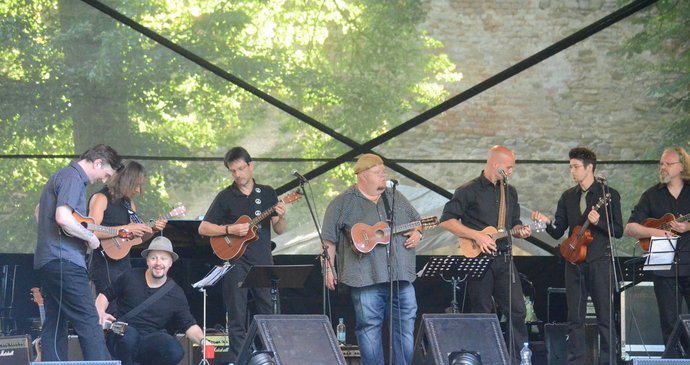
{"type": "Point", "coordinates": [476, 205]}
{"type": "Point", "coordinates": [169, 311]}
{"type": "Point", "coordinates": [230, 204]}
{"type": "Point", "coordinates": [568, 216]}
{"type": "Point", "coordinates": [654, 203]}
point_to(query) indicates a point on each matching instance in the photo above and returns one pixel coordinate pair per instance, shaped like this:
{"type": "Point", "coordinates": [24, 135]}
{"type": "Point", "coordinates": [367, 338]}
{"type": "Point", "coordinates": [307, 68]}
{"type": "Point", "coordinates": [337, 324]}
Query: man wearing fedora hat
{"type": "Point", "coordinates": [145, 340]}
{"type": "Point", "coordinates": [367, 274]}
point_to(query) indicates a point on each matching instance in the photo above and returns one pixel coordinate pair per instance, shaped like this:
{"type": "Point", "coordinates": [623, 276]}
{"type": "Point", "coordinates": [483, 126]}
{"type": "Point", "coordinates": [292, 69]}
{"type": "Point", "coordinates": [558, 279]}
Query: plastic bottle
{"type": "Point", "coordinates": [340, 331]}
{"type": "Point", "coordinates": [525, 355]}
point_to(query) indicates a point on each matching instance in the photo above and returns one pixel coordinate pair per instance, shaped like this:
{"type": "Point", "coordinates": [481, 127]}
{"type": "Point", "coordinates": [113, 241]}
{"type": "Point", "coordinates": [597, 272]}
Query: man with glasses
{"type": "Point", "coordinates": [60, 254]}
{"type": "Point", "coordinates": [367, 274]}
{"type": "Point", "coordinates": [670, 196]}
{"type": "Point", "coordinates": [591, 277]}
{"type": "Point", "coordinates": [244, 197]}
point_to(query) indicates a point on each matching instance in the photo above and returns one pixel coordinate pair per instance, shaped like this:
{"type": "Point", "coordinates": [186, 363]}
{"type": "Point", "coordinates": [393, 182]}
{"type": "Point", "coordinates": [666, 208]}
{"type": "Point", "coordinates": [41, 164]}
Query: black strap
{"type": "Point", "coordinates": [150, 300]}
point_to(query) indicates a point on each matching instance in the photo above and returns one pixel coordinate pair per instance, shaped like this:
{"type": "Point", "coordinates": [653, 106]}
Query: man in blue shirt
{"type": "Point", "coordinates": [60, 256]}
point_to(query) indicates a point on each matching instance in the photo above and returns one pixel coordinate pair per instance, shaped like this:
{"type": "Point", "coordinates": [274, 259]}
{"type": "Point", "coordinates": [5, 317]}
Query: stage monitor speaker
{"type": "Point", "coordinates": [292, 339]}
{"type": "Point", "coordinates": [109, 362]}
{"type": "Point", "coordinates": [556, 334]}
{"type": "Point", "coordinates": [678, 345]}
{"type": "Point", "coordinates": [15, 350]}
{"type": "Point", "coordinates": [442, 334]}
{"type": "Point", "coordinates": [660, 362]}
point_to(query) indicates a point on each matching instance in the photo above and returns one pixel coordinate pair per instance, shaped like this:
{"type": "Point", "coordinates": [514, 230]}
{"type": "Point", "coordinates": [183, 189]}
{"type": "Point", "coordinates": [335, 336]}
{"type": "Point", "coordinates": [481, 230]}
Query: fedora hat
{"type": "Point", "coordinates": [160, 243]}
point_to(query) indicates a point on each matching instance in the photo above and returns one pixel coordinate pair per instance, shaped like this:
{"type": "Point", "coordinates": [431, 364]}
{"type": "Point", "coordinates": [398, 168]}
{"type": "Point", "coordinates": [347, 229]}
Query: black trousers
{"type": "Point", "coordinates": [582, 280]}
{"type": "Point", "coordinates": [500, 285]}
{"type": "Point", "coordinates": [236, 299]}
{"type": "Point", "coordinates": [669, 303]}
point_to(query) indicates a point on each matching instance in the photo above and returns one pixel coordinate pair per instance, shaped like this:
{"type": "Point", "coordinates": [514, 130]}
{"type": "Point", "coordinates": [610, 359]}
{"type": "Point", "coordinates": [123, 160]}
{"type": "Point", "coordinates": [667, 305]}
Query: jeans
{"type": "Point", "coordinates": [156, 348]}
{"type": "Point", "coordinates": [67, 296]}
{"type": "Point", "coordinates": [371, 304]}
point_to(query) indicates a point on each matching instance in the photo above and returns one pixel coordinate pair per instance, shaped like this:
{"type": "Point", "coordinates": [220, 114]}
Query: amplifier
{"type": "Point", "coordinates": [15, 350]}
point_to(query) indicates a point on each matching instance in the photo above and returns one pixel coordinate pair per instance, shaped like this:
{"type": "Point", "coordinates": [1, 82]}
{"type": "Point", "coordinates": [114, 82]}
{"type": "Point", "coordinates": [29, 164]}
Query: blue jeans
{"type": "Point", "coordinates": [156, 348]}
{"type": "Point", "coordinates": [371, 304]}
{"type": "Point", "coordinates": [67, 296]}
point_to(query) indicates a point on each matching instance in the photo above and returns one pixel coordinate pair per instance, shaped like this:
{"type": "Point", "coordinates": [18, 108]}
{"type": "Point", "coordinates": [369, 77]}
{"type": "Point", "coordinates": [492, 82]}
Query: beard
{"type": "Point", "coordinates": [664, 178]}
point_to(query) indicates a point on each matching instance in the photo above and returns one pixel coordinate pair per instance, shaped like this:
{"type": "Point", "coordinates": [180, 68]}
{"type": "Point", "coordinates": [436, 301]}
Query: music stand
{"type": "Point", "coordinates": [458, 269]}
{"type": "Point", "coordinates": [274, 277]}
{"type": "Point", "coordinates": [209, 280]}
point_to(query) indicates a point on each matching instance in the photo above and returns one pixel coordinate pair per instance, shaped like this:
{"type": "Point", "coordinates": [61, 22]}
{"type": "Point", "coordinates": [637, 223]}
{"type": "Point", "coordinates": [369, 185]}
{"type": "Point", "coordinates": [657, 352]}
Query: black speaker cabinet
{"type": "Point", "coordinates": [441, 334]}
{"type": "Point", "coordinates": [678, 346]}
{"type": "Point", "coordinates": [109, 362]}
{"type": "Point", "coordinates": [293, 339]}
{"type": "Point", "coordinates": [556, 335]}
{"type": "Point", "coordinates": [15, 350]}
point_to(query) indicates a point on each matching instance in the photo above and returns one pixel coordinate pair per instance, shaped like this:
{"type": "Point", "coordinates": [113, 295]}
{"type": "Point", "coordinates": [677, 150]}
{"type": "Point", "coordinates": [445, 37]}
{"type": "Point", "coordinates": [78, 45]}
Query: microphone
{"type": "Point", "coordinates": [392, 183]}
{"type": "Point", "coordinates": [503, 174]}
{"type": "Point", "coordinates": [299, 176]}
{"type": "Point", "coordinates": [600, 178]}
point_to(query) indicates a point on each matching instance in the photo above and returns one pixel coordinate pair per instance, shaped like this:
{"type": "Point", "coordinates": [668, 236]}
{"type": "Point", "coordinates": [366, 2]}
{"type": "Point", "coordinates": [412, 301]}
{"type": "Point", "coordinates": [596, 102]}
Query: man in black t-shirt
{"type": "Point", "coordinates": [670, 196]}
{"type": "Point", "coordinates": [145, 341]}
{"type": "Point", "coordinates": [244, 197]}
{"type": "Point", "coordinates": [475, 206]}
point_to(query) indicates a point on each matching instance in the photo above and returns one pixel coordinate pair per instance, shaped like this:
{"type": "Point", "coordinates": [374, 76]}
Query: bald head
{"type": "Point", "coordinates": [500, 158]}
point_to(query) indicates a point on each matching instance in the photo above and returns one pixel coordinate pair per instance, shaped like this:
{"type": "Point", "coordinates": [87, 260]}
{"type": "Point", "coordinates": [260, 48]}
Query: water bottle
{"type": "Point", "coordinates": [340, 331]}
{"type": "Point", "coordinates": [525, 355]}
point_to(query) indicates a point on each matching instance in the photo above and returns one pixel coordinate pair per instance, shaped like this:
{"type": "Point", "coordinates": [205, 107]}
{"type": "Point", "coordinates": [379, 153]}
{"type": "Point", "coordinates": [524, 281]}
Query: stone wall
{"type": "Point", "coordinates": [582, 96]}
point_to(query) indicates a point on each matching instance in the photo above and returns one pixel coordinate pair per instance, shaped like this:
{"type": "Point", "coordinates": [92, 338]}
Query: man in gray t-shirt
{"type": "Point", "coordinates": [364, 267]}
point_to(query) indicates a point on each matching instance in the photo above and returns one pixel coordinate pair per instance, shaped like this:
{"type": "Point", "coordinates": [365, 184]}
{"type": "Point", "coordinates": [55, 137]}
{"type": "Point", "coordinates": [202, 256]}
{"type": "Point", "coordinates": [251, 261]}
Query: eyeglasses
{"type": "Point", "coordinates": [667, 164]}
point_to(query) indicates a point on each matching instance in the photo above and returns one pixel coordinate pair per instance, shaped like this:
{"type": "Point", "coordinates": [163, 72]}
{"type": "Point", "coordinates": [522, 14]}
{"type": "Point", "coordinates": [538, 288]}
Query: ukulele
{"type": "Point", "coordinates": [663, 224]}
{"type": "Point", "coordinates": [90, 224]}
{"type": "Point", "coordinates": [574, 248]}
{"type": "Point", "coordinates": [118, 247]}
{"type": "Point", "coordinates": [38, 299]}
{"type": "Point", "coordinates": [366, 237]}
{"type": "Point", "coordinates": [470, 248]}
{"type": "Point", "coordinates": [232, 247]}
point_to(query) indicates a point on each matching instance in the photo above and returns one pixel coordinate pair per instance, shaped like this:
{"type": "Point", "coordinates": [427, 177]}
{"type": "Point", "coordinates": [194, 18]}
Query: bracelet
{"type": "Point", "coordinates": [226, 230]}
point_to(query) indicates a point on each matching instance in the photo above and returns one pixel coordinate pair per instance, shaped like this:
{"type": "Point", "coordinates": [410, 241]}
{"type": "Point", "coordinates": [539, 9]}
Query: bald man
{"type": "Point", "coordinates": [476, 206]}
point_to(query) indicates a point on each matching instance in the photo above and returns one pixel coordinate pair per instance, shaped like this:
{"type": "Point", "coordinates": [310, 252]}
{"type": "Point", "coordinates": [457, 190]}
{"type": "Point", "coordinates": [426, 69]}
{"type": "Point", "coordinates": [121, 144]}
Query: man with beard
{"type": "Point", "coordinates": [145, 341]}
{"type": "Point", "coordinates": [670, 196]}
{"type": "Point", "coordinates": [367, 274]}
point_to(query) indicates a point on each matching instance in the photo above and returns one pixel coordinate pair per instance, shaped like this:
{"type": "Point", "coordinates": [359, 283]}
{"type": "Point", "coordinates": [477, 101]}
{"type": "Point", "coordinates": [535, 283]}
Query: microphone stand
{"type": "Point", "coordinates": [324, 248]}
{"type": "Point", "coordinates": [390, 253]}
{"type": "Point", "coordinates": [613, 342]}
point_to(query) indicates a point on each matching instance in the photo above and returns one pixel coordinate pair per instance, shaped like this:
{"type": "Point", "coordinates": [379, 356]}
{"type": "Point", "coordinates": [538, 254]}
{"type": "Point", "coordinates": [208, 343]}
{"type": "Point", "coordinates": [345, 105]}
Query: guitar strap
{"type": "Point", "coordinates": [502, 207]}
{"type": "Point", "coordinates": [133, 217]}
{"type": "Point", "coordinates": [150, 300]}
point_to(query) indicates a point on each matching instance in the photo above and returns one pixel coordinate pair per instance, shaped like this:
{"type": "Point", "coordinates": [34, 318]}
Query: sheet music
{"type": "Point", "coordinates": [661, 253]}
{"type": "Point", "coordinates": [213, 276]}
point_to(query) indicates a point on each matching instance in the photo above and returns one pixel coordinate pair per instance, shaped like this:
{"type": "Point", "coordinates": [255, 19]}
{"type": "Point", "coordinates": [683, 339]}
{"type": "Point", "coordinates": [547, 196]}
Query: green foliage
{"type": "Point", "coordinates": [73, 77]}
{"type": "Point", "coordinates": [663, 46]}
